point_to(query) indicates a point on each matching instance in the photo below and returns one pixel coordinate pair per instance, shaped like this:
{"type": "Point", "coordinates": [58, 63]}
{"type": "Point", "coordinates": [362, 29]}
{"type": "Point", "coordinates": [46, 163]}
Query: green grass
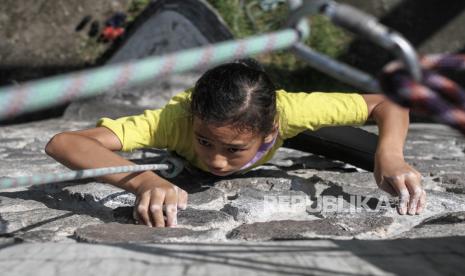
{"type": "Point", "coordinates": [246, 18]}
{"type": "Point", "coordinates": [135, 7]}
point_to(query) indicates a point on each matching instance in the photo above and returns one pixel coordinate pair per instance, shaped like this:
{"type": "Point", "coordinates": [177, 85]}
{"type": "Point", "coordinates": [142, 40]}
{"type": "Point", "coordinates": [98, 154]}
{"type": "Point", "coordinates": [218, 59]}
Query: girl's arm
{"type": "Point", "coordinates": [392, 173]}
{"type": "Point", "coordinates": [93, 148]}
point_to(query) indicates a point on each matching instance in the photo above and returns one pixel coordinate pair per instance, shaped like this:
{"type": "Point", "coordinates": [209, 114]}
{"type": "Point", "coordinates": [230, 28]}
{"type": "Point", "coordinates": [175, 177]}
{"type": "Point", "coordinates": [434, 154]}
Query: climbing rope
{"type": "Point", "coordinates": [434, 95]}
{"type": "Point", "coordinates": [361, 24]}
{"type": "Point", "coordinates": [35, 95]}
{"type": "Point", "coordinates": [170, 167]}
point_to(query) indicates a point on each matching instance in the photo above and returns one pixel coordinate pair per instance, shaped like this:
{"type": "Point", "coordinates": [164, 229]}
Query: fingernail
{"type": "Point", "coordinates": [149, 224]}
{"type": "Point", "coordinates": [412, 209]}
{"type": "Point", "coordinates": [402, 210]}
{"type": "Point", "coordinates": [174, 222]}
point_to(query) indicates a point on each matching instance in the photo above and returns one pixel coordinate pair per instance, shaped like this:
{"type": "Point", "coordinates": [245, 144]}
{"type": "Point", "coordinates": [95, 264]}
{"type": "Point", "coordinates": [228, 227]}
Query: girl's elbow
{"type": "Point", "coordinates": [57, 144]}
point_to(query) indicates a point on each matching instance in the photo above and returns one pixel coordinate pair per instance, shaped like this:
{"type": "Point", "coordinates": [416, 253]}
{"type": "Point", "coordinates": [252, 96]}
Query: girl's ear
{"type": "Point", "coordinates": [268, 138]}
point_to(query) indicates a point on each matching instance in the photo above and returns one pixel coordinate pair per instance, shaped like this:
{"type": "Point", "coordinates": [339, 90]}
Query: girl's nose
{"type": "Point", "coordinates": [217, 162]}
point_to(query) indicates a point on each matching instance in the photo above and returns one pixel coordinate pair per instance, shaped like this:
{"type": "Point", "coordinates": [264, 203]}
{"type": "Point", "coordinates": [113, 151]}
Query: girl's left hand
{"type": "Point", "coordinates": [398, 178]}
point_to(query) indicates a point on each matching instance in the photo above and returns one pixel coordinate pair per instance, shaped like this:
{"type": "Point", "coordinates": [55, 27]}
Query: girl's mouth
{"type": "Point", "coordinates": [219, 172]}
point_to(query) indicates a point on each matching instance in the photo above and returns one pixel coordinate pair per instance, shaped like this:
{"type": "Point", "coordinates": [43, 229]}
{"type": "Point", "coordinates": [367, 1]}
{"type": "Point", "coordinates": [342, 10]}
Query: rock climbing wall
{"type": "Point", "coordinates": [296, 196]}
{"type": "Point", "coordinates": [239, 218]}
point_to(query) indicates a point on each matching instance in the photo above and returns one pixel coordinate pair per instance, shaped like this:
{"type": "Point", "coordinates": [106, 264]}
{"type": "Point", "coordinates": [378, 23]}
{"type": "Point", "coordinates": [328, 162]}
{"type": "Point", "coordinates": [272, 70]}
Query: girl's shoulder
{"type": "Point", "coordinates": [183, 98]}
{"type": "Point", "coordinates": [180, 103]}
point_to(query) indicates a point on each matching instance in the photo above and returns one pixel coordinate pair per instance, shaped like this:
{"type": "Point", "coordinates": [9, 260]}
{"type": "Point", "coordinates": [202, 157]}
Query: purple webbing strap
{"type": "Point", "coordinates": [264, 148]}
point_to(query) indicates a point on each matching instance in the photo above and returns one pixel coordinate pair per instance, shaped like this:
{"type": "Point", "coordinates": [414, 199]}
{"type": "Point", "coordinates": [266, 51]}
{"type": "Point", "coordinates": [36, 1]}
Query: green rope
{"type": "Point", "coordinates": [36, 95]}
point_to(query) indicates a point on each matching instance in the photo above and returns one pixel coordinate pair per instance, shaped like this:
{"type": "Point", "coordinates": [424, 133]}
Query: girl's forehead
{"type": "Point", "coordinates": [226, 134]}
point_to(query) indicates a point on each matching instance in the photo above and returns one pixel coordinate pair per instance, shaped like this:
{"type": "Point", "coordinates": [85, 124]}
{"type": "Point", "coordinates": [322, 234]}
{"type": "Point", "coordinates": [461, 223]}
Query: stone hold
{"type": "Point", "coordinates": [212, 198]}
{"type": "Point", "coordinates": [333, 193]}
{"type": "Point", "coordinates": [6, 241]}
{"type": "Point", "coordinates": [253, 205]}
{"type": "Point", "coordinates": [288, 230]}
{"type": "Point", "coordinates": [349, 180]}
{"type": "Point", "coordinates": [35, 210]}
{"type": "Point", "coordinates": [350, 205]}
{"type": "Point", "coordinates": [349, 189]}
{"type": "Point", "coordinates": [434, 231]}
{"type": "Point", "coordinates": [447, 218]}
{"type": "Point", "coordinates": [436, 167]}
{"type": "Point", "coordinates": [454, 183]}
{"type": "Point", "coordinates": [312, 186]}
{"type": "Point", "coordinates": [442, 202]}
{"type": "Point", "coordinates": [233, 186]}
{"type": "Point", "coordinates": [20, 221]}
{"type": "Point", "coordinates": [128, 233]}
{"type": "Point", "coordinates": [10, 204]}
{"type": "Point", "coordinates": [204, 219]}
{"type": "Point", "coordinates": [368, 226]}
{"type": "Point", "coordinates": [123, 215]}
{"type": "Point", "coordinates": [323, 228]}
{"type": "Point", "coordinates": [349, 198]}
{"type": "Point", "coordinates": [189, 218]}
{"type": "Point", "coordinates": [37, 236]}
{"type": "Point", "coordinates": [62, 223]}
{"type": "Point", "coordinates": [286, 158]}
{"type": "Point", "coordinates": [445, 149]}
{"type": "Point", "coordinates": [438, 204]}
{"type": "Point", "coordinates": [100, 195]}
{"type": "Point", "coordinates": [443, 225]}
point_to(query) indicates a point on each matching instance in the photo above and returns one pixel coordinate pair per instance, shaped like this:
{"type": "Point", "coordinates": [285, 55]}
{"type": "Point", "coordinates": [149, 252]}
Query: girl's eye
{"type": "Point", "coordinates": [234, 150]}
{"type": "Point", "coordinates": [203, 142]}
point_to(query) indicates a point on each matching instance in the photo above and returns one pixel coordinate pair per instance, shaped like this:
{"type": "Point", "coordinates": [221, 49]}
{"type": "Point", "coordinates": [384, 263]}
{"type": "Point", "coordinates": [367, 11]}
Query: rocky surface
{"type": "Point", "coordinates": [284, 199]}
{"type": "Point", "coordinates": [239, 224]}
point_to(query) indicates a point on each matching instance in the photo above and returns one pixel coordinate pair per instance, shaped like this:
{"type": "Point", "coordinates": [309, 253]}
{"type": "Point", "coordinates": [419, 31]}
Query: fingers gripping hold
{"type": "Point", "coordinates": [157, 203]}
{"type": "Point", "coordinates": [397, 183]}
{"type": "Point", "coordinates": [411, 195]}
{"type": "Point", "coordinates": [156, 210]}
{"type": "Point", "coordinates": [413, 183]}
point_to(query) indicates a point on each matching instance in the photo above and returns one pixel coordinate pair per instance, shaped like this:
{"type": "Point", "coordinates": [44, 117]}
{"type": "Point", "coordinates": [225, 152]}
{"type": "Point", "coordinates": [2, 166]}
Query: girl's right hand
{"type": "Point", "coordinates": [152, 196]}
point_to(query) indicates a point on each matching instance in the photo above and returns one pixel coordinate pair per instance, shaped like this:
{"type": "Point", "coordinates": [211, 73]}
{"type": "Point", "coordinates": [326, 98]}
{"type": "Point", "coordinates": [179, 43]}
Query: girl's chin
{"type": "Point", "coordinates": [221, 173]}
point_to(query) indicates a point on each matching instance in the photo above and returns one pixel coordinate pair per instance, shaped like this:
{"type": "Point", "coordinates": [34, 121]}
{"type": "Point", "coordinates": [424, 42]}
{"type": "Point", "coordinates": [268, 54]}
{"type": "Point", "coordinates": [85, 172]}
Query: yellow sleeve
{"type": "Point", "coordinates": [311, 111]}
{"type": "Point", "coordinates": [160, 128]}
{"type": "Point", "coordinates": [139, 131]}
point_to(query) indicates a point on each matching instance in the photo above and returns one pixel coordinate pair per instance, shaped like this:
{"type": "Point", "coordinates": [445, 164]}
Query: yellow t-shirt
{"type": "Point", "coordinates": [171, 127]}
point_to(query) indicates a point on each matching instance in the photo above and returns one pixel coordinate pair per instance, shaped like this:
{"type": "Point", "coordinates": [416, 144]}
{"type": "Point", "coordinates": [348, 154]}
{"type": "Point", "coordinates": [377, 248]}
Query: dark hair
{"type": "Point", "coordinates": [239, 93]}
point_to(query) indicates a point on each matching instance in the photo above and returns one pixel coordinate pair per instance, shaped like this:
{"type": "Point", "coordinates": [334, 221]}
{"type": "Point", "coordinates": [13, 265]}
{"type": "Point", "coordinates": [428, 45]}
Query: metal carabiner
{"type": "Point", "coordinates": [359, 23]}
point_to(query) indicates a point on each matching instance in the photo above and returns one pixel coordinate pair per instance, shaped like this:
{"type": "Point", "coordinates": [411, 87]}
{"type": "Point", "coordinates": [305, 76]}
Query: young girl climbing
{"type": "Point", "coordinates": [231, 121]}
